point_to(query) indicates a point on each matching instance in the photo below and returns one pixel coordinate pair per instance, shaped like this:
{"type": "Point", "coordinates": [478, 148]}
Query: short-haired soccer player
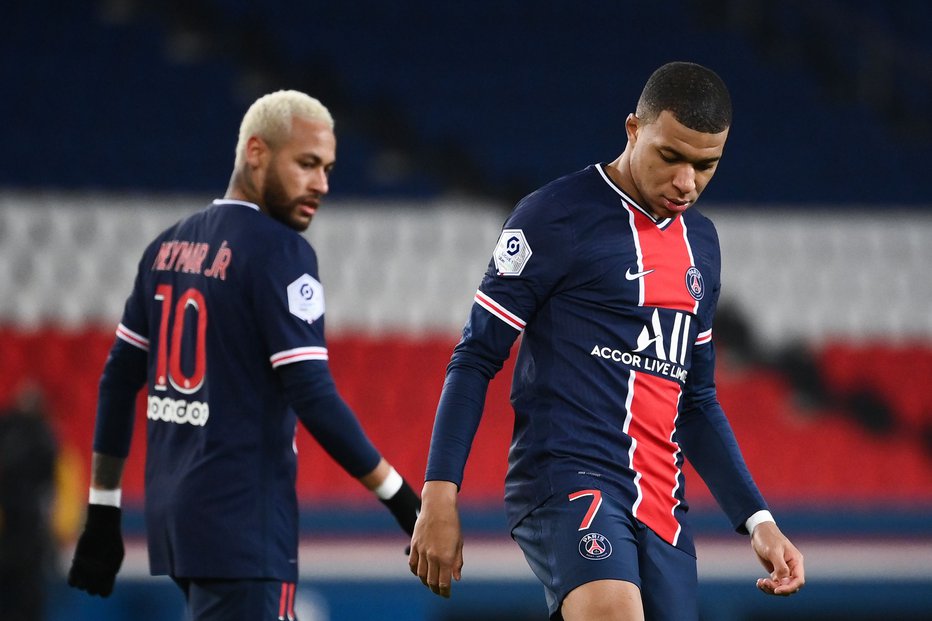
{"type": "Point", "coordinates": [613, 281]}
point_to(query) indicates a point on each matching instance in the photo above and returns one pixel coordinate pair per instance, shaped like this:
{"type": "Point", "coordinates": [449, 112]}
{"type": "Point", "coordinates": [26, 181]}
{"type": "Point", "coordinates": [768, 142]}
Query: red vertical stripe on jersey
{"type": "Point", "coordinates": [653, 405]}
{"type": "Point", "coordinates": [667, 254]}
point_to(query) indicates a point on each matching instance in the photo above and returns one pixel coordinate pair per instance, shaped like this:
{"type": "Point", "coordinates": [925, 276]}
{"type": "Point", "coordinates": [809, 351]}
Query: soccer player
{"type": "Point", "coordinates": [225, 327]}
{"type": "Point", "coordinates": [612, 280]}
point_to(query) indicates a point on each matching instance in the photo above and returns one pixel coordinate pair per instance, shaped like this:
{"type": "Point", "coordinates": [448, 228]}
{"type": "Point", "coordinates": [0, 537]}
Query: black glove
{"type": "Point", "coordinates": [99, 553]}
{"type": "Point", "coordinates": [404, 505]}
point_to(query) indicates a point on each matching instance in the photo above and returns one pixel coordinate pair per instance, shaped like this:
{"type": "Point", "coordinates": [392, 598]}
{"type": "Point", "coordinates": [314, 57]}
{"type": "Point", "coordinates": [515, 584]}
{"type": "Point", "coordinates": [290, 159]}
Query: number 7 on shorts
{"type": "Point", "coordinates": [593, 506]}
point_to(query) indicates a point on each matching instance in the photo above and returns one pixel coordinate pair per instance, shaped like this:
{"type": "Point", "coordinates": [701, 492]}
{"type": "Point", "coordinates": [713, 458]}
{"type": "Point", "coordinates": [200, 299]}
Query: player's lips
{"type": "Point", "coordinates": [308, 209]}
{"type": "Point", "coordinates": [676, 206]}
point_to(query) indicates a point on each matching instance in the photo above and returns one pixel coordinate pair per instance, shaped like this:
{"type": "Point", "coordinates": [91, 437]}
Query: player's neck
{"type": "Point", "coordinates": [620, 174]}
{"type": "Point", "coordinates": [240, 189]}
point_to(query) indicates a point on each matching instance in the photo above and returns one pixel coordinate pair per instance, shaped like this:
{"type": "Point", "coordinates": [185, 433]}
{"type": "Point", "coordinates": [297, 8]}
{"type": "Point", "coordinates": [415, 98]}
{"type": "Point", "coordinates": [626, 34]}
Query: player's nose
{"type": "Point", "coordinates": [319, 182]}
{"type": "Point", "coordinates": [684, 179]}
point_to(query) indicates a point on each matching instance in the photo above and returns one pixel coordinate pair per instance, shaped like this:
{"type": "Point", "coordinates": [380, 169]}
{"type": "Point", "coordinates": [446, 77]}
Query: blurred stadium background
{"type": "Point", "coordinates": [121, 116]}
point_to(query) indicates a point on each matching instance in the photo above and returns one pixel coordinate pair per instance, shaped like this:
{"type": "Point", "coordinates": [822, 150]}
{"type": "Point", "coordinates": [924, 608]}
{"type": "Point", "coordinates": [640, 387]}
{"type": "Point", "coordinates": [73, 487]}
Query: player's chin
{"type": "Point", "coordinates": [300, 222]}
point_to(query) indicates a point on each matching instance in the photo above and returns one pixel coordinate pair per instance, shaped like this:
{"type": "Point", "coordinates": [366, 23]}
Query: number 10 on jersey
{"type": "Point", "coordinates": [189, 306]}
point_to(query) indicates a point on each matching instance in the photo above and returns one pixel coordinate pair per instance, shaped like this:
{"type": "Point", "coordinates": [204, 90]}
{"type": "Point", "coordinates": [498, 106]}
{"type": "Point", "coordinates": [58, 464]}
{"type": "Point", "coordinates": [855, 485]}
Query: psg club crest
{"type": "Point", "coordinates": [595, 547]}
{"type": "Point", "coordinates": [694, 283]}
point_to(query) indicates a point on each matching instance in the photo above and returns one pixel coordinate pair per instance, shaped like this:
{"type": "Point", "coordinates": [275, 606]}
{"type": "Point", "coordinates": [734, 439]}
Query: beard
{"type": "Point", "coordinates": [280, 206]}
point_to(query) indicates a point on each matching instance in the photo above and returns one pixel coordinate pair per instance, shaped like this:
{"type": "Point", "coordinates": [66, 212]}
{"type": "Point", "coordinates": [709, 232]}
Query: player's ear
{"type": "Point", "coordinates": [632, 123]}
{"type": "Point", "coordinates": [257, 152]}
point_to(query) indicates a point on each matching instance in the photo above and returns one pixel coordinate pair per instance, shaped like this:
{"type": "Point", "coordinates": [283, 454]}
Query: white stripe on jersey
{"type": "Point", "coordinates": [687, 320]}
{"type": "Point", "coordinates": [499, 311]}
{"type": "Point", "coordinates": [298, 354]}
{"type": "Point", "coordinates": [634, 444]}
{"type": "Point", "coordinates": [704, 337]}
{"type": "Point", "coordinates": [133, 338]}
{"type": "Point", "coordinates": [676, 486]}
{"type": "Point", "coordinates": [637, 250]}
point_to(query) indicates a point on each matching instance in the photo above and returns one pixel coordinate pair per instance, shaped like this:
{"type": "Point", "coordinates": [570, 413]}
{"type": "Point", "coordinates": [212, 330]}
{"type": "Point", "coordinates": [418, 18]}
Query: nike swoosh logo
{"type": "Point", "coordinates": [635, 275]}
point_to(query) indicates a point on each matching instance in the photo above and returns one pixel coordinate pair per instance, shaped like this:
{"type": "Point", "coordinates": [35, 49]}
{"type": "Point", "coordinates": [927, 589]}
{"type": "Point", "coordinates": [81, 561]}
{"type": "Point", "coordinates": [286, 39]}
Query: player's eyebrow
{"type": "Point", "coordinates": [674, 154]}
{"type": "Point", "coordinates": [315, 159]}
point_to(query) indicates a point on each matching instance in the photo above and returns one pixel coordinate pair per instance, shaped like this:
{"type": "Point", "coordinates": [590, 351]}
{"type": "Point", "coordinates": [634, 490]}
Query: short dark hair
{"type": "Point", "coordinates": [694, 94]}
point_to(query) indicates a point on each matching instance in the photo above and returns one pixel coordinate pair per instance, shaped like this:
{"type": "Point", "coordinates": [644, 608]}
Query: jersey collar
{"type": "Point", "coordinates": [630, 202]}
{"type": "Point", "coordinates": [225, 201]}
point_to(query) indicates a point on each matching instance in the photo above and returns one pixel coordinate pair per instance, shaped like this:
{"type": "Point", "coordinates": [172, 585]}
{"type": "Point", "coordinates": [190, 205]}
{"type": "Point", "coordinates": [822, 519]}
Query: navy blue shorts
{"type": "Point", "coordinates": [592, 537]}
{"type": "Point", "coordinates": [238, 600]}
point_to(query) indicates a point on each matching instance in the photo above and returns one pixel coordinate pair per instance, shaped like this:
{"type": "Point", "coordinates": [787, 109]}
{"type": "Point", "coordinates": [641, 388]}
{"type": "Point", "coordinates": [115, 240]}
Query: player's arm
{"type": "Point", "coordinates": [516, 284]}
{"type": "Point", "coordinates": [437, 545]}
{"type": "Point", "coordinates": [99, 552]}
{"type": "Point", "coordinates": [310, 390]}
{"type": "Point", "coordinates": [709, 443]}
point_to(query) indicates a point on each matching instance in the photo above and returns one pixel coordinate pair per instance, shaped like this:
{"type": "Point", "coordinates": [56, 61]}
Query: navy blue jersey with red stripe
{"type": "Point", "coordinates": [222, 299]}
{"type": "Point", "coordinates": [614, 375]}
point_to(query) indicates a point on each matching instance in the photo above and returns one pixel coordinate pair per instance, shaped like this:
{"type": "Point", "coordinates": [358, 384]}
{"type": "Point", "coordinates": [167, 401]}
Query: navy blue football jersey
{"type": "Point", "coordinates": [222, 299]}
{"type": "Point", "coordinates": [614, 375]}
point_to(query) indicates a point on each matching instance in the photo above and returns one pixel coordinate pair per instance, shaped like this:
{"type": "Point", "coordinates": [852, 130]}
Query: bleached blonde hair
{"type": "Point", "coordinates": [269, 117]}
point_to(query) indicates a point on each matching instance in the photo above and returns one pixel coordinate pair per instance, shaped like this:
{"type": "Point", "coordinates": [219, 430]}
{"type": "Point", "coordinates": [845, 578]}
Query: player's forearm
{"type": "Point", "coordinates": [309, 389]}
{"type": "Point", "coordinates": [710, 445]}
{"type": "Point", "coordinates": [439, 493]}
{"type": "Point", "coordinates": [458, 416]}
{"type": "Point", "coordinates": [123, 376]}
{"type": "Point", "coordinates": [377, 476]}
{"type": "Point", "coordinates": [106, 471]}
{"type": "Point", "coordinates": [395, 493]}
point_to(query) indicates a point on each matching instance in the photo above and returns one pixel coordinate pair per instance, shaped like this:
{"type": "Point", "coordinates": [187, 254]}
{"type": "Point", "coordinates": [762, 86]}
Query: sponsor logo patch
{"type": "Point", "coordinates": [177, 411]}
{"type": "Point", "coordinates": [511, 252]}
{"type": "Point", "coordinates": [694, 283]}
{"type": "Point", "coordinates": [595, 547]}
{"type": "Point", "coordinates": [306, 298]}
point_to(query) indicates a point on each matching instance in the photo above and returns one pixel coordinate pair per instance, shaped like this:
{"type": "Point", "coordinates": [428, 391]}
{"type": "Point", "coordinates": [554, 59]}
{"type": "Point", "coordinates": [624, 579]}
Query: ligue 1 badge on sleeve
{"type": "Point", "coordinates": [511, 252]}
{"type": "Point", "coordinates": [306, 298]}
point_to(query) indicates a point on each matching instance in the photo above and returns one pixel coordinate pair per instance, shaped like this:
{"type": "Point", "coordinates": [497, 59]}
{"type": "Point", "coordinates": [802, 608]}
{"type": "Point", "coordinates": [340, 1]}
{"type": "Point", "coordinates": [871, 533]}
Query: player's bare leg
{"type": "Point", "coordinates": [604, 600]}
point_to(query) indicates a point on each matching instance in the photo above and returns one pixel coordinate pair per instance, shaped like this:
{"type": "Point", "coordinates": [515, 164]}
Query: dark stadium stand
{"type": "Point", "coordinates": [485, 99]}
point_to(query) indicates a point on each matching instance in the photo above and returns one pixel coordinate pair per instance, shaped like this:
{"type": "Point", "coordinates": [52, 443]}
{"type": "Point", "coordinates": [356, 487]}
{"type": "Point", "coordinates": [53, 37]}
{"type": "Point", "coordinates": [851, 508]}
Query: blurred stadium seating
{"type": "Point", "coordinates": [122, 115]}
{"type": "Point", "coordinates": [399, 282]}
{"type": "Point", "coordinates": [831, 98]}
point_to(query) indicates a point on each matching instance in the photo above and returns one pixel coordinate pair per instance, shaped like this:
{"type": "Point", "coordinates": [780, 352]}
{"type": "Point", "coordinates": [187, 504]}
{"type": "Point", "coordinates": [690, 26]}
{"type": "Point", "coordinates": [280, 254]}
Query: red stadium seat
{"type": "Point", "coordinates": [393, 383]}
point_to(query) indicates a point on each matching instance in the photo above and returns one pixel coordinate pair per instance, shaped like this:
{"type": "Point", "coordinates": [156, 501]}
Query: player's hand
{"type": "Point", "coordinates": [437, 545]}
{"type": "Point", "coordinates": [780, 558]}
{"type": "Point", "coordinates": [99, 553]}
{"type": "Point", "coordinates": [404, 505]}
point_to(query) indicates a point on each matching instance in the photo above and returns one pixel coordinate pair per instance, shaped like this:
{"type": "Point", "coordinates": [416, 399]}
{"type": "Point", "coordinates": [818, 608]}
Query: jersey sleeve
{"type": "Point", "coordinates": [124, 374]}
{"type": "Point", "coordinates": [528, 263]}
{"type": "Point", "coordinates": [310, 390]}
{"type": "Point", "coordinates": [708, 440]}
{"type": "Point", "coordinates": [531, 258]}
{"type": "Point", "coordinates": [289, 300]}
